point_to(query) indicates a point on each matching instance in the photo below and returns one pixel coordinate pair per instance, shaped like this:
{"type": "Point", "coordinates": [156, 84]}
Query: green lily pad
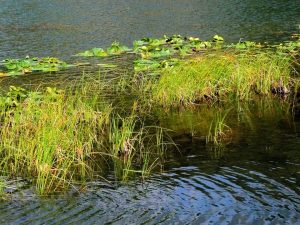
{"type": "Point", "coordinates": [145, 65]}
{"type": "Point", "coordinates": [29, 65]}
{"type": "Point", "coordinates": [116, 49]}
{"type": "Point", "coordinates": [218, 38]}
{"type": "Point", "coordinates": [94, 52]}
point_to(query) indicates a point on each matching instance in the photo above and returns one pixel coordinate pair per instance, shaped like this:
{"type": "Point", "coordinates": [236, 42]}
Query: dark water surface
{"type": "Point", "coordinates": [253, 180]}
{"type": "Point", "coordinates": [62, 28]}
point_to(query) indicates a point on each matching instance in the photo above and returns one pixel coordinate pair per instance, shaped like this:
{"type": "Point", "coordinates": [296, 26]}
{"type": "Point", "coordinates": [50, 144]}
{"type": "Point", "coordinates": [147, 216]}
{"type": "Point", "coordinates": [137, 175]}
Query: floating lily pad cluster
{"type": "Point", "coordinates": [141, 65]}
{"type": "Point", "coordinates": [30, 65]}
{"type": "Point", "coordinates": [290, 47]}
{"type": "Point", "coordinates": [115, 49]}
{"type": "Point", "coordinates": [176, 44]}
{"type": "Point", "coordinates": [152, 53]}
{"type": "Point", "coordinates": [245, 45]}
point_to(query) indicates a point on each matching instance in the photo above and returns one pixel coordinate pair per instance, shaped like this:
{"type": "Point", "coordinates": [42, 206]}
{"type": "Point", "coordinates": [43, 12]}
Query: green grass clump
{"type": "Point", "coordinates": [51, 136]}
{"type": "Point", "coordinates": [59, 139]}
{"type": "Point", "coordinates": [219, 131]}
{"type": "Point", "coordinates": [2, 186]}
{"type": "Point", "coordinates": [223, 76]}
{"type": "Point", "coordinates": [137, 149]}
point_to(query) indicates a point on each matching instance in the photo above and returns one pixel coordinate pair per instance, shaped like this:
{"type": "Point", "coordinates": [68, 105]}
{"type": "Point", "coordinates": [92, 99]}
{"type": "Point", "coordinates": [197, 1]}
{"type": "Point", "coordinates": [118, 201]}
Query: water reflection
{"type": "Point", "coordinates": [253, 180]}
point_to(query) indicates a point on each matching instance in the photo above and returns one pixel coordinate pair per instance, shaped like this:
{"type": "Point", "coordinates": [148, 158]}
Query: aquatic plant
{"type": "Point", "coordinates": [2, 187]}
{"type": "Point", "coordinates": [99, 52]}
{"type": "Point", "coordinates": [52, 139]}
{"type": "Point", "coordinates": [62, 138]}
{"type": "Point", "coordinates": [145, 65]}
{"type": "Point", "coordinates": [136, 149]}
{"type": "Point", "coordinates": [219, 131]}
{"type": "Point", "coordinates": [153, 65]}
{"type": "Point", "coordinates": [116, 48]}
{"type": "Point", "coordinates": [245, 45]}
{"type": "Point", "coordinates": [223, 76]}
{"type": "Point", "coordinates": [30, 65]}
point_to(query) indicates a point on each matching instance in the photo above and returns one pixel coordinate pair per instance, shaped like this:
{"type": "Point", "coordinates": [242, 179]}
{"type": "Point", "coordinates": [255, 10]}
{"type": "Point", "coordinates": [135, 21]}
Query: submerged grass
{"type": "Point", "coordinates": [223, 76]}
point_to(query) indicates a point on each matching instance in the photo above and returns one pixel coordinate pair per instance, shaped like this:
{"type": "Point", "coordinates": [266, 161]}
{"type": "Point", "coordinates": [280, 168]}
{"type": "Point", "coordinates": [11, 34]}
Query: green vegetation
{"type": "Point", "coordinates": [30, 65]}
{"type": "Point", "coordinates": [50, 136]}
{"type": "Point", "coordinates": [223, 76]}
{"type": "Point", "coordinates": [61, 138]}
{"type": "Point", "coordinates": [2, 186]}
{"type": "Point", "coordinates": [99, 52]}
{"type": "Point", "coordinates": [218, 130]}
{"type": "Point", "coordinates": [114, 49]}
{"type": "Point", "coordinates": [135, 148]}
{"type": "Point", "coordinates": [64, 138]}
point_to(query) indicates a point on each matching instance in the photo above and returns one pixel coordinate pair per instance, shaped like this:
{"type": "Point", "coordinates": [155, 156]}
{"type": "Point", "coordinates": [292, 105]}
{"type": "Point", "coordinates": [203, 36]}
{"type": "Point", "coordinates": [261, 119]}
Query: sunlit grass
{"type": "Point", "coordinates": [60, 139]}
{"type": "Point", "coordinates": [138, 149]}
{"type": "Point", "coordinates": [223, 76]}
{"type": "Point", "coordinates": [51, 139]}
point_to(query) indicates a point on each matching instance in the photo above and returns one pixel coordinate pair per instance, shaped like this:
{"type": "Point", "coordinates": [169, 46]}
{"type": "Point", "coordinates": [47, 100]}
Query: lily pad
{"type": "Point", "coordinates": [116, 49]}
{"type": "Point", "coordinates": [29, 65]}
{"type": "Point", "coordinates": [218, 38]}
{"type": "Point", "coordinates": [95, 52]}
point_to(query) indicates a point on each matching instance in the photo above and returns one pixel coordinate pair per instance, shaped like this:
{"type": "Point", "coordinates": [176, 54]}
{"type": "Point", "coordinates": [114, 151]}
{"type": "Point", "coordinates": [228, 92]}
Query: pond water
{"type": "Point", "coordinates": [63, 28]}
{"type": "Point", "coordinates": [253, 180]}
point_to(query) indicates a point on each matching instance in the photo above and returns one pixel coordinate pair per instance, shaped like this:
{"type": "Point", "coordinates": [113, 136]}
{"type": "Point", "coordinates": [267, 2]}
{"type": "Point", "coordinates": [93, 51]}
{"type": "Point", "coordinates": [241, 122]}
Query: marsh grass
{"type": "Point", "coordinates": [136, 148]}
{"type": "Point", "coordinates": [223, 76]}
{"type": "Point", "coordinates": [216, 152]}
{"type": "Point", "coordinates": [219, 132]}
{"type": "Point", "coordinates": [52, 138]}
{"type": "Point", "coordinates": [61, 139]}
{"type": "Point", "coordinates": [2, 187]}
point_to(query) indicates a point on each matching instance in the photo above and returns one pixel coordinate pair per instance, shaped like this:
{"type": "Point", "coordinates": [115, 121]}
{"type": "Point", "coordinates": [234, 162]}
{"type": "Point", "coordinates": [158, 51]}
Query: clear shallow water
{"type": "Point", "coordinates": [63, 28]}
